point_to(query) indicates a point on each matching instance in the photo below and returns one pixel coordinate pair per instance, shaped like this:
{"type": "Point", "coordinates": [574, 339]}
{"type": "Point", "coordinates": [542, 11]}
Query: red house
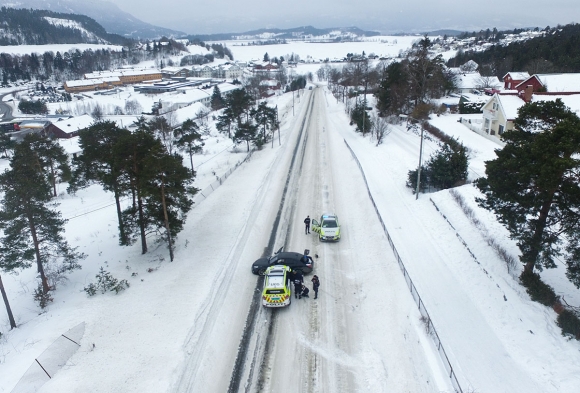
{"type": "Point", "coordinates": [549, 84]}
{"type": "Point", "coordinates": [68, 128]}
{"type": "Point", "coordinates": [512, 79]}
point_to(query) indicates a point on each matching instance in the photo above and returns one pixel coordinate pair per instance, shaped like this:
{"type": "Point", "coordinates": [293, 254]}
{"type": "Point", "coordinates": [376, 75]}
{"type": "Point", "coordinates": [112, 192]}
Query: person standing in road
{"type": "Point", "coordinates": [307, 223]}
{"type": "Point", "coordinates": [315, 285]}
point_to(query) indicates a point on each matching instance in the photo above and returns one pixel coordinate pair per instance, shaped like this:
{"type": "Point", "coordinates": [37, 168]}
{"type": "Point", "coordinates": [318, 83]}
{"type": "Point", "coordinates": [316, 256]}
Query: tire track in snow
{"type": "Point", "coordinates": [200, 333]}
{"type": "Point", "coordinates": [250, 330]}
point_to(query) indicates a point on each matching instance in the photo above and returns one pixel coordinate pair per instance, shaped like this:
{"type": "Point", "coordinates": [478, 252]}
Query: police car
{"type": "Point", "coordinates": [328, 228]}
{"type": "Point", "coordinates": [276, 292]}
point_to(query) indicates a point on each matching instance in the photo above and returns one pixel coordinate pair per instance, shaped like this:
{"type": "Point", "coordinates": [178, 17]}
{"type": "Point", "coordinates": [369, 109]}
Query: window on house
{"type": "Point", "coordinates": [500, 129]}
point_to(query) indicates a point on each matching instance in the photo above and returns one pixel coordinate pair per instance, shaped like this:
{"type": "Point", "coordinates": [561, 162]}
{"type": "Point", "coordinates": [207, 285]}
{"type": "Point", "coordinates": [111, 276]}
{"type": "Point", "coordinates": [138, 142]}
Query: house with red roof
{"type": "Point", "coordinates": [512, 79]}
{"type": "Point", "coordinates": [549, 84]}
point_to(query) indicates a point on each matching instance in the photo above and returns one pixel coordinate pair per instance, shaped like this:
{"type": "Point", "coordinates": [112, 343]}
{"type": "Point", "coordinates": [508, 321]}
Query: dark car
{"type": "Point", "coordinates": [291, 259]}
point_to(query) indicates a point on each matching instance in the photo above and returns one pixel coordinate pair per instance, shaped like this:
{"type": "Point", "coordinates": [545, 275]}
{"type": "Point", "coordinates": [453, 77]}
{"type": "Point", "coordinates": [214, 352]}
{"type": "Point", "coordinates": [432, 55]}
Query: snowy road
{"type": "Point", "coordinates": [334, 343]}
{"type": "Point", "coordinates": [324, 345]}
{"type": "Point", "coordinates": [331, 343]}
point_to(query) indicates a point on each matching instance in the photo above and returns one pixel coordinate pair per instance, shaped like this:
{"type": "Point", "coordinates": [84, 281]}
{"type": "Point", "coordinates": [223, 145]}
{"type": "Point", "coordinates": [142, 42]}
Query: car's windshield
{"type": "Point", "coordinates": [329, 224]}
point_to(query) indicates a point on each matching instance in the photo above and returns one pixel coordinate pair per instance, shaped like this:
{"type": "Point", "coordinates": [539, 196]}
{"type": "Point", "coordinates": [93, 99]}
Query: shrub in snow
{"type": "Point", "coordinates": [41, 297]}
{"type": "Point", "coordinates": [538, 290]}
{"type": "Point", "coordinates": [445, 169]}
{"type": "Point", "coordinates": [471, 107]}
{"type": "Point", "coordinates": [106, 282]}
{"type": "Point", "coordinates": [570, 324]}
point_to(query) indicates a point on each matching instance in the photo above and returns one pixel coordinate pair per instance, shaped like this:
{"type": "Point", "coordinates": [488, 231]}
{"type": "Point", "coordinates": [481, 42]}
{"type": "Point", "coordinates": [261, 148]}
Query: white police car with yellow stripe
{"type": "Point", "coordinates": [328, 228]}
{"type": "Point", "coordinates": [276, 292]}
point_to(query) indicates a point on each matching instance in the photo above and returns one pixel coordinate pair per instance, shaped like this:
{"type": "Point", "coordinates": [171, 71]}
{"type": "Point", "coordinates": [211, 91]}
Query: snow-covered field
{"type": "Point", "coordinates": [141, 340]}
{"type": "Point", "coordinates": [388, 46]}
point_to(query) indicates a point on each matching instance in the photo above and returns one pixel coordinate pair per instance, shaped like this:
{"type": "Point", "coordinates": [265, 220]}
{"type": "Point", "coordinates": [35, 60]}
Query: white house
{"type": "Point", "coordinates": [500, 111]}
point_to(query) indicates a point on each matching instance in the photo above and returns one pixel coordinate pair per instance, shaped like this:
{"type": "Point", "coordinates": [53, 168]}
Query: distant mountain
{"type": "Point", "coordinates": [293, 33]}
{"type": "Point", "coordinates": [107, 14]}
{"type": "Point", "coordinates": [40, 27]}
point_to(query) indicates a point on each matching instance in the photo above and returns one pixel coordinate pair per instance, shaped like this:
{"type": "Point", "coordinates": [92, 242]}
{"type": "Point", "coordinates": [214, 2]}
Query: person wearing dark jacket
{"type": "Point", "coordinates": [304, 292]}
{"type": "Point", "coordinates": [306, 258]}
{"type": "Point", "coordinates": [297, 287]}
{"type": "Point", "coordinates": [298, 282]}
{"type": "Point", "coordinates": [307, 223]}
{"type": "Point", "coordinates": [315, 285]}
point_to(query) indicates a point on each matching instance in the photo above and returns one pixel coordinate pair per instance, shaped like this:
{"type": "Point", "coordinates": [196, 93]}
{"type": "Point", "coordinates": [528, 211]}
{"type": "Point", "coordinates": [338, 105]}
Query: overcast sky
{"type": "Point", "coordinates": [386, 16]}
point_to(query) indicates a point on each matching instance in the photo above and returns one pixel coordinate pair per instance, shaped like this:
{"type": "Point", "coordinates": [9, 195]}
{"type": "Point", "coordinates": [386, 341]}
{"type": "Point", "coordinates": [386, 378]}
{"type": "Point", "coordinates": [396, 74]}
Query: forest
{"type": "Point", "coordinates": [31, 27]}
{"type": "Point", "coordinates": [558, 50]}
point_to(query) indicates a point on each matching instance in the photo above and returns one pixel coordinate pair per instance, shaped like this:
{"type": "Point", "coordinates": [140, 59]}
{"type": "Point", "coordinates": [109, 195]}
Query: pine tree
{"type": "Point", "coordinates": [102, 161]}
{"type": "Point", "coordinates": [265, 117]}
{"type": "Point", "coordinates": [161, 186]}
{"type": "Point", "coordinates": [33, 231]}
{"type": "Point", "coordinates": [217, 102]}
{"type": "Point", "coordinates": [247, 132]}
{"type": "Point", "coordinates": [189, 139]}
{"type": "Point", "coordinates": [6, 144]}
{"type": "Point", "coordinates": [167, 194]}
{"type": "Point", "coordinates": [138, 149]}
{"type": "Point", "coordinates": [50, 158]}
{"type": "Point", "coordinates": [161, 128]}
{"type": "Point", "coordinates": [532, 186]}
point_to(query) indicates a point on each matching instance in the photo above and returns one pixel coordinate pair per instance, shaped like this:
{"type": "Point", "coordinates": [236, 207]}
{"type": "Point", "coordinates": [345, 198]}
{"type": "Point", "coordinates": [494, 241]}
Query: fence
{"type": "Point", "coordinates": [51, 360]}
{"type": "Point", "coordinates": [203, 194]}
{"type": "Point", "coordinates": [425, 315]}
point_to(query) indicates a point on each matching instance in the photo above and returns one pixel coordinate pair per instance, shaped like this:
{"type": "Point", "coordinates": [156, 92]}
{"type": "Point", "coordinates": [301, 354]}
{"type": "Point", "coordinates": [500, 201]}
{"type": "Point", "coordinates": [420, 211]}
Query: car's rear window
{"type": "Point", "coordinates": [274, 281]}
{"type": "Point", "coordinates": [274, 291]}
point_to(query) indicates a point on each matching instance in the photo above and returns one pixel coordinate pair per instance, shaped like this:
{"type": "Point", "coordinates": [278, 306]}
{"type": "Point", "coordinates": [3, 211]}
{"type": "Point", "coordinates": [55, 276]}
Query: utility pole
{"type": "Point", "coordinates": [273, 130]}
{"type": "Point", "coordinates": [365, 100]}
{"type": "Point", "coordinates": [419, 170]}
{"type": "Point", "coordinates": [292, 102]}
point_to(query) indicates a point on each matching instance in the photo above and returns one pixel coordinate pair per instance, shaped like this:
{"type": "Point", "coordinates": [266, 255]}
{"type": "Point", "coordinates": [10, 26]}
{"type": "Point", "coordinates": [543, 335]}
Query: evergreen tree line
{"type": "Point", "coordinates": [30, 27]}
{"type": "Point", "coordinates": [73, 64]}
{"type": "Point", "coordinates": [409, 85]}
{"type": "Point", "coordinates": [221, 50]}
{"type": "Point", "coordinates": [58, 67]}
{"type": "Point", "coordinates": [558, 50]}
{"type": "Point", "coordinates": [151, 186]}
{"type": "Point", "coordinates": [244, 121]}
{"type": "Point", "coordinates": [32, 107]}
{"type": "Point", "coordinates": [406, 86]}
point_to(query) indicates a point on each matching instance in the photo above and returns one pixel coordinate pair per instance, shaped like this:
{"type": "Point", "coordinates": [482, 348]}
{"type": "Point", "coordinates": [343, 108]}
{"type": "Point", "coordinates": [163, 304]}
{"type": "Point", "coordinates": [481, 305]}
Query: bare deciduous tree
{"type": "Point", "coordinates": [381, 128]}
{"type": "Point", "coordinates": [132, 107]}
{"type": "Point", "coordinates": [487, 82]}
